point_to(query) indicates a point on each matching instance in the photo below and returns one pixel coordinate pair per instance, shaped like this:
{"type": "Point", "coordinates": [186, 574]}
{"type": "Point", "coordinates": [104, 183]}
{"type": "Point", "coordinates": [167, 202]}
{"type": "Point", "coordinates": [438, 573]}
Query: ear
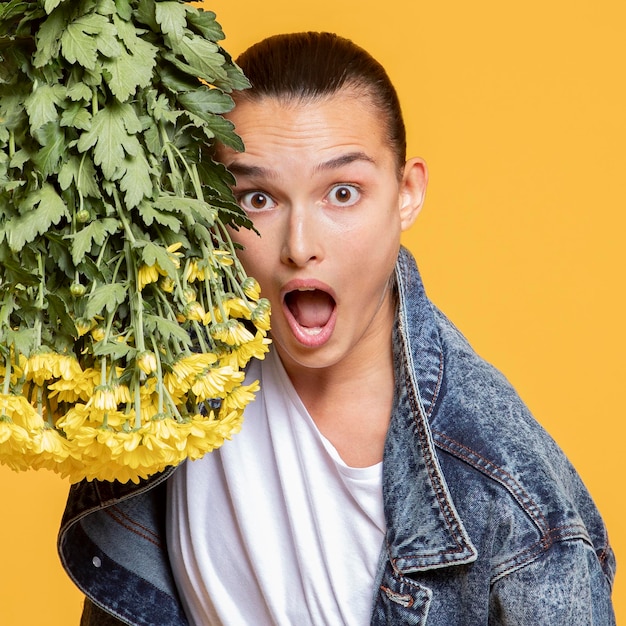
{"type": "Point", "coordinates": [412, 191]}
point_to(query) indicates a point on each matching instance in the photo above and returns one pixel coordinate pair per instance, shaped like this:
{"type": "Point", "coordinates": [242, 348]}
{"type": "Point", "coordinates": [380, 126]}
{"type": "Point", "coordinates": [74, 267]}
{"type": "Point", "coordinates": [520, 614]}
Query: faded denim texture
{"type": "Point", "coordinates": [488, 523]}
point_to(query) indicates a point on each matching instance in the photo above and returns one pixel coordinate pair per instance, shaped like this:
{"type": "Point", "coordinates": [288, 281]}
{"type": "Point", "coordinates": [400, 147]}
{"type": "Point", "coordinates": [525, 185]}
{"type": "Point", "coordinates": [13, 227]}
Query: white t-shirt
{"type": "Point", "coordinates": [274, 528]}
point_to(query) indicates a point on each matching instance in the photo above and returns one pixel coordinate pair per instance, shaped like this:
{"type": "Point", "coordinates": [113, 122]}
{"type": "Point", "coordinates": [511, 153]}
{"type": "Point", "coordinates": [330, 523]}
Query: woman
{"type": "Point", "coordinates": [385, 474]}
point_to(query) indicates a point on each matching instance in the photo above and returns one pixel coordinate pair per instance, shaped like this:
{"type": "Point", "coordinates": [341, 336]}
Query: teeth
{"type": "Point", "coordinates": [306, 289]}
{"type": "Point", "coordinates": [312, 331]}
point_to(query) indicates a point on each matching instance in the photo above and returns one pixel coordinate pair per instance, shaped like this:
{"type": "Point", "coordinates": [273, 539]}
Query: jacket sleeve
{"type": "Point", "coordinates": [93, 615]}
{"type": "Point", "coordinates": [567, 585]}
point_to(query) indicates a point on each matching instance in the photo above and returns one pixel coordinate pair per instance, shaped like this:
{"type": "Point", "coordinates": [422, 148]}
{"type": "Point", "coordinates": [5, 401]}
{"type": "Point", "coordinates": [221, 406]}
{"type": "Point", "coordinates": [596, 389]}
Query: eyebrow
{"type": "Point", "coordinates": [345, 159]}
{"type": "Point", "coordinates": [241, 169]}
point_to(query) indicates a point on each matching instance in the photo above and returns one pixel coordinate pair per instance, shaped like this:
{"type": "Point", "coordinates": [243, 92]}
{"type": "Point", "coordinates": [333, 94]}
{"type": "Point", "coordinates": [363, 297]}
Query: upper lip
{"type": "Point", "coordinates": [306, 284]}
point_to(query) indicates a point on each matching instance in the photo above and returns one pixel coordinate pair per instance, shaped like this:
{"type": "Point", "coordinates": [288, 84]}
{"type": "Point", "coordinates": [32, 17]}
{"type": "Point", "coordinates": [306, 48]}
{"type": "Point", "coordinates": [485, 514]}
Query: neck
{"type": "Point", "coordinates": [351, 401]}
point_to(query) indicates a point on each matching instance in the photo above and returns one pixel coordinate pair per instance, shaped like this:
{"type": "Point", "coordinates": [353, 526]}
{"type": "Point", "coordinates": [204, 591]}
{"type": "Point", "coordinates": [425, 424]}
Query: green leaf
{"type": "Point", "coordinates": [53, 147]}
{"type": "Point", "coordinates": [105, 297]}
{"type": "Point", "coordinates": [198, 208]}
{"type": "Point", "coordinates": [41, 105]}
{"type": "Point", "coordinates": [114, 349]}
{"type": "Point", "coordinates": [206, 102]}
{"type": "Point", "coordinates": [20, 158]}
{"type": "Point", "coordinates": [112, 133]}
{"type": "Point", "coordinates": [77, 42]}
{"type": "Point", "coordinates": [107, 42]}
{"type": "Point", "coordinates": [22, 340]}
{"type": "Point", "coordinates": [124, 9]}
{"type": "Point", "coordinates": [48, 37]}
{"type": "Point", "coordinates": [224, 131]}
{"type": "Point", "coordinates": [58, 310]}
{"type": "Point", "coordinates": [50, 5]}
{"type": "Point", "coordinates": [79, 91]}
{"type": "Point", "coordinates": [129, 70]}
{"type": "Point", "coordinates": [204, 22]}
{"type": "Point", "coordinates": [17, 273]}
{"type": "Point", "coordinates": [153, 253]}
{"type": "Point", "coordinates": [94, 232]}
{"type": "Point", "coordinates": [149, 214]}
{"type": "Point", "coordinates": [145, 14]}
{"type": "Point", "coordinates": [76, 116]}
{"type": "Point", "coordinates": [172, 18]}
{"type": "Point", "coordinates": [45, 208]}
{"type": "Point", "coordinates": [176, 81]}
{"type": "Point", "coordinates": [152, 138]}
{"type": "Point", "coordinates": [136, 182]}
{"type": "Point", "coordinates": [167, 329]}
{"type": "Point", "coordinates": [127, 32]}
{"type": "Point", "coordinates": [202, 58]}
{"type": "Point", "coordinates": [236, 78]}
{"type": "Point", "coordinates": [82, 173]}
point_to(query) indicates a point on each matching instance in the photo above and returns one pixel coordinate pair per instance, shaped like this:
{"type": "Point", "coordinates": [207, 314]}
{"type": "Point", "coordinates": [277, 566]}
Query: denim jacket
{"type": "Point", "coordinates": [487, 521]}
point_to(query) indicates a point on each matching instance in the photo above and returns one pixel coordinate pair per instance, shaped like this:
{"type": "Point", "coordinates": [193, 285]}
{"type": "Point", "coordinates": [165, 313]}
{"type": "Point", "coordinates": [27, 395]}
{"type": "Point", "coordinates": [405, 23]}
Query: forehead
{"type": "Point", "coordinates": [322, 127]}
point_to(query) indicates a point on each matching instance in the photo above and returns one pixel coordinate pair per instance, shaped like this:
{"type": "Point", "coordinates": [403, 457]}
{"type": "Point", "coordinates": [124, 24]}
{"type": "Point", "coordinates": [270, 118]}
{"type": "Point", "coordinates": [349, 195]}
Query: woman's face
{"type": "Point", "coordinates": [320, 183]}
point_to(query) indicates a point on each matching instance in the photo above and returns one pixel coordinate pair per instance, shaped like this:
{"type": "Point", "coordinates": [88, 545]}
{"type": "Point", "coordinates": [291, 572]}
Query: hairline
{"type": "Point", "coordinates": [351, 86]}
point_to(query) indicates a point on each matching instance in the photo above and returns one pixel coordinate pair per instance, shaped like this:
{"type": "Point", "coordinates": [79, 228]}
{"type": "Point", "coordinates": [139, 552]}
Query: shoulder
{"type": "Point", "coordinates": [501, 464]}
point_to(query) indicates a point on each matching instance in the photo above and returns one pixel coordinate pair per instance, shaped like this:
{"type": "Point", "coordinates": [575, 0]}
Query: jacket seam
{"type": "Point", "coordinates": [554, 535]}
{"type": "Point", "coordinates": [428, 455]}
{"type": "Point", "coordinates": [112, 501]}
{"type": "Point", "coordinates": [435, 397]}
{"type": "Point", "coordinates": [498, 474]}
{"type": "Point", "coordinates": [131, 525]}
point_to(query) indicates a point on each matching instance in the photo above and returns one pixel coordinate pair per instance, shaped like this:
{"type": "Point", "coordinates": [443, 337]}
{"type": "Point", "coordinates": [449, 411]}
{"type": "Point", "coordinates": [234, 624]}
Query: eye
{"type": "Point", "coordinates": [344, 195]}
{"type": "Point", "coordinates": [256, 201]}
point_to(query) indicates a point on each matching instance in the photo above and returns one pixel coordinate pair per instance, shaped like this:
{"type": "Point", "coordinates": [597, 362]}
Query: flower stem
{"type": "Point", "coordinates": [6, 385]}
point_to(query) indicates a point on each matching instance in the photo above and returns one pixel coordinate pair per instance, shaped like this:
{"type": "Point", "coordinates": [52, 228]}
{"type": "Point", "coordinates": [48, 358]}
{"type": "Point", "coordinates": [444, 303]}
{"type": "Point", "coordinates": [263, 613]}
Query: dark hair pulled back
{"type": "Point", "coordinates": [309, 65]}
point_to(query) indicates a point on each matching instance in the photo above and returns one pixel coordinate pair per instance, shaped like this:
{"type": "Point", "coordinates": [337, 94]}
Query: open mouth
{"type": "Point", "coordinates": [310, 308]}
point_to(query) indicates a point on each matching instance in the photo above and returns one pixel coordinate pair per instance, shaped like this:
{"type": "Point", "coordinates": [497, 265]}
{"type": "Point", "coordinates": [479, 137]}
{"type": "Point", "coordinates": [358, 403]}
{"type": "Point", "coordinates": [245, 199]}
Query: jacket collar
{"type": "Point", "coordinates": [424, 530]}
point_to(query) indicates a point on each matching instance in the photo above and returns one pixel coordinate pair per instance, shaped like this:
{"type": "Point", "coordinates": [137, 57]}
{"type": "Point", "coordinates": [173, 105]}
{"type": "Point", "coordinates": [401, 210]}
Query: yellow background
{"type": "Point", "coordinates": [519, 109]}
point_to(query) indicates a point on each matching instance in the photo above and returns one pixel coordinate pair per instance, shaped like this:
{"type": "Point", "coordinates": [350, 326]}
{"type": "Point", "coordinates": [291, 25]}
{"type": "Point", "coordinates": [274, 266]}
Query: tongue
{"type": "Point", "coordinates": [311, 309]}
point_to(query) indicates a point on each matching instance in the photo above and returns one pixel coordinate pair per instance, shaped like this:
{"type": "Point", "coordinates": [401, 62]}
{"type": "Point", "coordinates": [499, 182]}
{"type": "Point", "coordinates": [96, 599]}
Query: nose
{"type": "Point", "coordinates": [301, 241]}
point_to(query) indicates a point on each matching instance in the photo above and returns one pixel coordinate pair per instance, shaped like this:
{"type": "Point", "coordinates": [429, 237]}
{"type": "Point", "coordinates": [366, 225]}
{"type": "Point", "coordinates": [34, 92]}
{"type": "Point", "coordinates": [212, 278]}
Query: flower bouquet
{"type": "Point", "coordinates": [126, 319]}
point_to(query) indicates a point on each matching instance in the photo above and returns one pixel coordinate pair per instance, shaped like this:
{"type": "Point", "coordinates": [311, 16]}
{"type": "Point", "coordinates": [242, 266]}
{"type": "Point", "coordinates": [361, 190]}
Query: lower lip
{"type": "Point", "coordinates": [311, 337]}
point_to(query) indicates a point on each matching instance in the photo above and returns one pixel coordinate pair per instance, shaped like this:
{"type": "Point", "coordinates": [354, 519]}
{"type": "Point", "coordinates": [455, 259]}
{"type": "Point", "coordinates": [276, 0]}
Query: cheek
{"type": "Point", "coordinates": [254, 254]}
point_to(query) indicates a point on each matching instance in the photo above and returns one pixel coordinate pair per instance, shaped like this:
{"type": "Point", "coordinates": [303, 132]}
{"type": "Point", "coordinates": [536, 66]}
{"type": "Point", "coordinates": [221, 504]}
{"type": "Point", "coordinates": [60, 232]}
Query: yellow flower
{"type": "Point", "coordinates": [196, 270]}
{"type": "Point", "coordinates": [103, 398]}
{"type": "Point", "coordinates": [50, 447]}
{"type": "Point", "coordinates": [17, 367]}
{"type": "Point", "coordinates": [193, 364]}
{"type": "Point", "coordinates": [44, 365]}
{"type": "Point", "coordinates": [189, 295]}
{"type": "Point", "coordinates": [15, 443]}
{"type": "Point", "coordinates": [241, 355]}
{"type": "Point", "coordinates": [173, 254]}
{"type": "Point", "coordinates": [84, 325]}
{"type": "Point", "coordinates": [73, 420]}
{"type": "Point", "coordinates": [146, 362]}
{"type": "Point", "coordinates": [121, 393]}
{"type": "Point", "coordinates": [147, 274]}
{"type": "Point", "coordinates": [194, 311]}
{"type": "Point", "coordinates": [206, 434]}
{"type": "Point", "coordinates": [79, 388]}
{"type": "Point", "coordinates": [216, 382]}
{"type": "Point", "coordinates": [240, 397]}
{"type": "Point", "coordinates": [261, 315]}
{"type": "Point", "coordinates": [238, 307]}
{"type": "Point", "coordinates": [85, 444]}
{"type": "Point", "coordinates": [232, 333]}
{"type": "Point", "coordinates": [167, 284]}
{"type": "Point", "coordinates": [149, 408]}
{"type": "Point", "coordinates": [251, 288]}
{"type": "Point", "coordinates": [98, 333]}
{"type": "Point", "coordinates": [222, 257]}
{"type": "Point", "coordinates": [21, 412]}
